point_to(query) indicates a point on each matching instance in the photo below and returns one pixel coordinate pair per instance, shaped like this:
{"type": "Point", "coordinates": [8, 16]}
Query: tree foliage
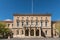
{"type": "Point", "coordinates": [57, 26]}
{"type": "Point", "coordinates": [3, 29]}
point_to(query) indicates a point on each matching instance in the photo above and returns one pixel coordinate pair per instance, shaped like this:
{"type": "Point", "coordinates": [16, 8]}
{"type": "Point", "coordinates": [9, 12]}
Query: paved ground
{"type": "Point", "coordinates": [32, 39]}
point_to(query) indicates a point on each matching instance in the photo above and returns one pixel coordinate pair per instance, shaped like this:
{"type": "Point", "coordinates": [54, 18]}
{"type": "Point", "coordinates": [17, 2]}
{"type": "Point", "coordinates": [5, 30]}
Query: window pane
{"type": "Point", "coordinates": [46, 24]}
{"type": "Point", "coordinates": [8, 25]}
{"type": "Point", "coordinates": [22, 23]}
{"type": "Point", "coordinates": [18, 23]}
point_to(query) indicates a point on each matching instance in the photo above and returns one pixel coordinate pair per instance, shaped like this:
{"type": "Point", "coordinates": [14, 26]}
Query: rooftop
{"type": "Point", "coordinates": [32, 14]}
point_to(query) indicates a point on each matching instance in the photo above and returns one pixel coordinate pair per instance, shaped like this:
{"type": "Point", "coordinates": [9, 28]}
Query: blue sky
{"type": "Point", "coordinates": [9, 7]}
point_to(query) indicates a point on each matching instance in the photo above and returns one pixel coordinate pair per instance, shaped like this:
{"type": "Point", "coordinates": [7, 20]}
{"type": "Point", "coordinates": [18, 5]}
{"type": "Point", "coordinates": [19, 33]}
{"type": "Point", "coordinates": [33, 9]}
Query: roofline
{"type": "Point", "coordinates": [31, 14]}
{"type": "Point", "coordinates": [7, 21]}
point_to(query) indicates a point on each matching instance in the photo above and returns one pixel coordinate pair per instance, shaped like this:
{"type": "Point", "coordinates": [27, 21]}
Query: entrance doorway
{"type": "Point", "coordinates": [27, 32]}
{"type": "Point", "coordinates": [37, 32]}
{"type": "Point", "coordinates": [32, 32]}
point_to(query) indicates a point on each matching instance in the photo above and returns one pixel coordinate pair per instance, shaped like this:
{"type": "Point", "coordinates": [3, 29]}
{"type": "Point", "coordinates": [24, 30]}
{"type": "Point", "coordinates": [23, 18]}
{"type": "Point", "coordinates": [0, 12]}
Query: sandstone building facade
{"type": "Point", "coordinates": [32, 26]}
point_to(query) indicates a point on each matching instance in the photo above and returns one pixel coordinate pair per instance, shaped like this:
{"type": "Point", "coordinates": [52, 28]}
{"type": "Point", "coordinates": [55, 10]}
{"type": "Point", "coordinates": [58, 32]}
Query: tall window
{"type": "Point", "coordinates": [46, 23]}
{"type": "Point", "coordinates": [17, 23]}
{"type": "Point", "coordinates": [12, 25]}
{"type": "Point", "coordinates": [8, 25]}
{"type": "Point", "coordinates": [22, 23]}
{"type": "Point", "coordinates": [41, 18]}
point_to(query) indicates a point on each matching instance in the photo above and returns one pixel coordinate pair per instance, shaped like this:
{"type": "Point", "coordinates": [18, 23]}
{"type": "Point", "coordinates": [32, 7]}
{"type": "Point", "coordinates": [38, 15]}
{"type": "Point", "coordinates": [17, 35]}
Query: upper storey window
{"type": "Point", "coordinates": [46, 23]}
{"type": "Point", "coordinates": [41, 18]}
{"type": "Point", "coordinates": [27, 18]}
{"type": "Point", "coordinates": [17, 21]}
{"type": "Point", "coordinates": [12, 25]}
{"type": "Point", "coordinates": [8, 25]}
{"type": "Point", "coordinates": [36, 20]}
{"type": "Point", "coordinates": [22, 18]}
{"type": "Point", "coordinates": [22, 23]}
{"type": "Point", "coordinates": [31, 20]}
{"type": "Point", "coordinates": [46, 18]}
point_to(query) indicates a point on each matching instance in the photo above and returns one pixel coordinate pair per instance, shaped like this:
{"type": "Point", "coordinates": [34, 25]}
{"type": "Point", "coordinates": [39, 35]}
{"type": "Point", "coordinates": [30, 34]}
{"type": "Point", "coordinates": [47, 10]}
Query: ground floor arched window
{"type": "Point", "coordinates": [37, 32]}
{"type": "Point", "coordinates": [32, 32]}
{"type": "Point", "coordinates": [26, 32]}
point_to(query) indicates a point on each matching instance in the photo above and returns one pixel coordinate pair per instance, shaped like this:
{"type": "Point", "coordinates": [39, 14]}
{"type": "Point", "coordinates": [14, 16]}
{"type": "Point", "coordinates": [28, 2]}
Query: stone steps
{"type": "Point", "coordinates": [32, 39]}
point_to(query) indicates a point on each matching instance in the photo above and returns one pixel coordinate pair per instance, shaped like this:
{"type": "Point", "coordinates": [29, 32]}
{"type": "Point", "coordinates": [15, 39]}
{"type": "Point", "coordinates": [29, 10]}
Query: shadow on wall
{"type": "Point", "coordinates": [42, 33]}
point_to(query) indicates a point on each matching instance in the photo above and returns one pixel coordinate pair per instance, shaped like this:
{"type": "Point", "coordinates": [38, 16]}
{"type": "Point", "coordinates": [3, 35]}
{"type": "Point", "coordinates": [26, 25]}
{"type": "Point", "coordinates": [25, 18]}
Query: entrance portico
{"type": "Point", "coordinates": [32, 32]}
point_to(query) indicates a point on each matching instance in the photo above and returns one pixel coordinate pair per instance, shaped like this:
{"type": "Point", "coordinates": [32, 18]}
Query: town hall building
{"type": "Point", "coordinates": [32, 26]}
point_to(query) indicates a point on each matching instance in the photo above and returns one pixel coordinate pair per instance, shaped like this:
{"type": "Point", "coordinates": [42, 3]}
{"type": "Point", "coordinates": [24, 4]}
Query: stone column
{"type": "Point", "coordinates": [39, 32]}
{"type": "Point", "coordinates": [24, 31]}
{"type": "Point", "coordinates": [29, 31]}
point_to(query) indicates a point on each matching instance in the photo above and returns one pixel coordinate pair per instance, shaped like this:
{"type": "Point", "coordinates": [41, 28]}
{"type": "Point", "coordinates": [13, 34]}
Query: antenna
{"type": "Point", "coordinates": [32, 6]}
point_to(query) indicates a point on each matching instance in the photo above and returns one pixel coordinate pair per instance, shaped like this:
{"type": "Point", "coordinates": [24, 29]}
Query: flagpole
{"type": "Point", "coordinates": [32, 6]}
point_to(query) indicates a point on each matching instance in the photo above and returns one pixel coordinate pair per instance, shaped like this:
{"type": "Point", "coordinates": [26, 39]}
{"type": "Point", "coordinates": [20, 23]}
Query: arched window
{"type": "Point", "coordinates": [26, 32]}
{"type": "Point", "coordinates": [32, 32]}
{"type": "Point", "coordinates": [37, 32]}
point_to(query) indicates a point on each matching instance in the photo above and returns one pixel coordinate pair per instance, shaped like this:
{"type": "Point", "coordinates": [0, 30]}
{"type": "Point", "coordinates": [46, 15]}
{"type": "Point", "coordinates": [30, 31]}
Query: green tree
{"type": "Point", "coordinates": [57, 26]}
{"type": "Point", "coordinates": [3, 29]}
